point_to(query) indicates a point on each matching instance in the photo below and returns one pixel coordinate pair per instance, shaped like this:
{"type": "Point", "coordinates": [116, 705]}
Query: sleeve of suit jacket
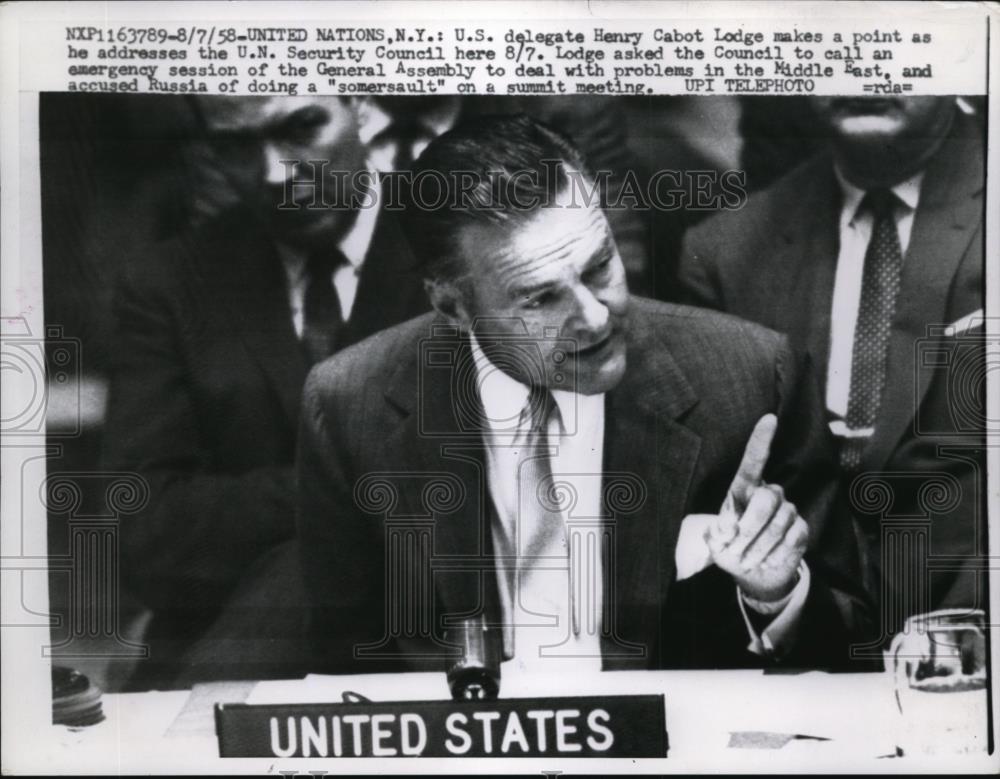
{"type": "Point", "coordinates": [341, 558]}
{"type": "Point", "coordinates": [203, 526]}
{"type": "Point", "coordinates": [703, 610]}
{"type": "Point", "coordinates": [696, 282]}
{"type": "Point", "coordinates": [803, 459]}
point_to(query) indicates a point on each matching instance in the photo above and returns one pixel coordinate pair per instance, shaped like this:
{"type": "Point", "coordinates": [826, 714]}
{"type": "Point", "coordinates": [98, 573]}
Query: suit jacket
{"type": "Point", "coordinates": [919, 502]}
{"type": "Point", "coordinates": [395, 517]}
{"type": "Point", "coordinates": [205, 393]}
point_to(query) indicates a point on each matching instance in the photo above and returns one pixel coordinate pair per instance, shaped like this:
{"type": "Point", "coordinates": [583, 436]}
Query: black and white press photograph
{"type": "Point", "coordinates": [380, 417]}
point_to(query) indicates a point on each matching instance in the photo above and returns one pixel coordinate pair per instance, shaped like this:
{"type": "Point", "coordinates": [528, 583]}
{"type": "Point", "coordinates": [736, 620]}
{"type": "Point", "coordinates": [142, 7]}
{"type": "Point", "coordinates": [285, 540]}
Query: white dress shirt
{"type": "Point", "coordinates": [577, 437]}
{"type": "Point", "coordinates": [855, 234]}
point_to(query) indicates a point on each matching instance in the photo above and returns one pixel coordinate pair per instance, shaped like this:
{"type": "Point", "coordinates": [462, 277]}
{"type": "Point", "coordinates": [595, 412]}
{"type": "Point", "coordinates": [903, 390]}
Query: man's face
{"type": "Point", "coordinates": [556, 282]}
{"type": "Point", "coordinates": [884, 137]}
{"type": "Point", "coordinates": [262, 144]}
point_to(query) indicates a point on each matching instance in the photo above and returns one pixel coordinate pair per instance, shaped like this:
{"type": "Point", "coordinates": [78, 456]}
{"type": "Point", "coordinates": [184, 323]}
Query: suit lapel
{"type": "Point", "coordinates": [649, 461]}
{"type": "Point", "coordinates": [807, 251]}
{"type": "Point", "coordinates": [247, 287]}
{"type": "Point", "coordinates": [390, 288]}
{"type": "Point", "coordinates": [948, 214]}
{"type": "Point", "coordinates": [445, 441]}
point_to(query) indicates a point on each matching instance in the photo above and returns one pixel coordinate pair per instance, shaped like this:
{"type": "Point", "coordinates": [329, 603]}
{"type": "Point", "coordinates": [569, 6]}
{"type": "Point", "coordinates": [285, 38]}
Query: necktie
{"type": "Point", "coordinates": [542, 606]}
{"type": "Point", "coordinates": [321, 314]}
{"type": "Point", "coordinates": [541, 523]}
{"type": "Point", "coordinates": [880, 288]}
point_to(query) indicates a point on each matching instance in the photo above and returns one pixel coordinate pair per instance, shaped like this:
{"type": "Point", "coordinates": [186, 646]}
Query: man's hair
{"type": "Point", "coordinates": [492, 170]}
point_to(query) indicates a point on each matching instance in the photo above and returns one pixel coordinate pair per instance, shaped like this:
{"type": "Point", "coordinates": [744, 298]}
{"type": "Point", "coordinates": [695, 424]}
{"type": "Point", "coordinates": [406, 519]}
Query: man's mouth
{"type": "Point", "coordinates": [595, 349]}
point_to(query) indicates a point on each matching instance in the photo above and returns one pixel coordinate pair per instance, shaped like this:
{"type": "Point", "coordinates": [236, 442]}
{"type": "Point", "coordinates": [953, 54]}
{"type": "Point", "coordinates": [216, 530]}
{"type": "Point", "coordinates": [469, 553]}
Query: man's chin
{"type": "Point", "coordinates": [308, 228]}
{"type": "Point", "coordinates": [604, 378]}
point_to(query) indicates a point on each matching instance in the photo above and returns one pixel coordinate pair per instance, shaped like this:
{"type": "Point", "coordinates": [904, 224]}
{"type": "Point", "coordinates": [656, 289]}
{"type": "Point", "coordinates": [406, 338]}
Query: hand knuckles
{"type": "Point", "coordinates": [790, 515]}
{"type": "Point", "coordinates": [767, 497]}
{"type": "Point", "coordinates": [776, 528]}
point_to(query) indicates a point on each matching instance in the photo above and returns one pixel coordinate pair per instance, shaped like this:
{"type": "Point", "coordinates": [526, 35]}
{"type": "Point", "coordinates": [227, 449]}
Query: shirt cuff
{"type": "Point", "coordinates": [777, 638]}
{"type": "Point", "coordinates": [691, 555]}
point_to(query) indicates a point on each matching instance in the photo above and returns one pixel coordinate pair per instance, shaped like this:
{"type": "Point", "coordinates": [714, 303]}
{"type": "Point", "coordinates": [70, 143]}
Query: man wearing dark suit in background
{"type": "Point", "coordinates": [436, 458]}
{"type": "Point", "coordinates": [870, 256]}
{"type": "Point", "coordinates": [215, 336]}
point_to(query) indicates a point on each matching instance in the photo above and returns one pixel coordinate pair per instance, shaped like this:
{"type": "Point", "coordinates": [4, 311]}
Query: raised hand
{"type": "Point", "coordinates": [758, 536]}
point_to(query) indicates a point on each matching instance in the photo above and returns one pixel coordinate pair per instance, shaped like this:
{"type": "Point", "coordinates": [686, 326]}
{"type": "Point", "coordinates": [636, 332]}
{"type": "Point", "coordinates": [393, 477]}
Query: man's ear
{"type": "Point", "coordinates": [448, 300]}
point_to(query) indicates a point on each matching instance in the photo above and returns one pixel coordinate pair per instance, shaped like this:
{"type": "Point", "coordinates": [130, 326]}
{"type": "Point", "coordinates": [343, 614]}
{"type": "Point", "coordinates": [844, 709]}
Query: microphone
{"type": "Point", "coordinates": [475, 676]}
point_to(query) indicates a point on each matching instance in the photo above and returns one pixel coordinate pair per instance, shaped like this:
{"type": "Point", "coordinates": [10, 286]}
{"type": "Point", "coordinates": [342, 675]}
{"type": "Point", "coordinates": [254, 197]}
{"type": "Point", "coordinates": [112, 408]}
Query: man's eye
{"type": "Point", "coordinates": [600, 269]}
{"type": "Point", "coordinates": [538, 300]}
{"type": "Point", "coordinates": [303, 124]}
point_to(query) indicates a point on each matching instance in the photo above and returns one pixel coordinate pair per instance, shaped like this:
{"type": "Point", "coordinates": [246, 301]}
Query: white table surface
{"type": "Point", "coordinates": [148, 733]}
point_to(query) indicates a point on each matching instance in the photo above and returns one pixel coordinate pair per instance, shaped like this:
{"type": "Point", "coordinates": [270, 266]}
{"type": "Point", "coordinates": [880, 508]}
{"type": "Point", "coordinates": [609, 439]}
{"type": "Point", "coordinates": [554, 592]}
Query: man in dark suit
{"type": "Point", "coordinates": [870, 256]}
{"type": "Point", "coordinates": [595, 475]}
{"type": "Point", "coordinates": [215, 336]}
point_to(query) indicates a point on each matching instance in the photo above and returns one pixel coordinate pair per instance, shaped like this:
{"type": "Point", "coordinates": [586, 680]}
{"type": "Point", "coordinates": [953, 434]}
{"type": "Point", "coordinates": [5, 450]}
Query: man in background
{"type": "Point", "coordinates": [870, 256]}
{"type": "Point", "coordinates": [215, 336]}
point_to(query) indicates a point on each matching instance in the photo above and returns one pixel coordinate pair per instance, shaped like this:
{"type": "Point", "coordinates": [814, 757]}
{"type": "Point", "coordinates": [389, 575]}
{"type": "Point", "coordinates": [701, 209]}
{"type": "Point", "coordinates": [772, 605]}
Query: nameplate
{"type": "Point", "coordinates": [606, 726]}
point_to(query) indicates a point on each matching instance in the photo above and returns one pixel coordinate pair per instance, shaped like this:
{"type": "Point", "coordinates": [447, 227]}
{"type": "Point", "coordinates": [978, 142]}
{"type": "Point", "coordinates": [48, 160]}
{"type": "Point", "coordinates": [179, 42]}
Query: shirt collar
{"type": "Point", "coordinates": [355, 242]}
{"type": "Point", "coordinates": [293, 260]}
{"type": "Point", "coordinates": [908, 191]}
{"type": "Point", "coordinates": [504, 397]}
{"type": "Point", "coordinates": [353, 245]}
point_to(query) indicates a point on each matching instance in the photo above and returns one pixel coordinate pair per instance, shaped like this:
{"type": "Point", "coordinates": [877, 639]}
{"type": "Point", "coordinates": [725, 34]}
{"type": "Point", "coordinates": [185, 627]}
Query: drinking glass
{"type": "Point", "coordinates": [937, 668]}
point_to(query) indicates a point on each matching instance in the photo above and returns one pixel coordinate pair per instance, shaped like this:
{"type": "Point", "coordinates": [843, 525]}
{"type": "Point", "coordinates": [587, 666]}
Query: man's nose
{"type": "Point", "coordinates": [592, 314]}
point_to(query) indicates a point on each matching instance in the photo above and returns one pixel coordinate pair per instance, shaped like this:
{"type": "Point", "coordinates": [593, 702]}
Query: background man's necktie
{"type": "Point", "coordinates": [879, 290]}
{"type": "Point", "coordinates": [321, 315]}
